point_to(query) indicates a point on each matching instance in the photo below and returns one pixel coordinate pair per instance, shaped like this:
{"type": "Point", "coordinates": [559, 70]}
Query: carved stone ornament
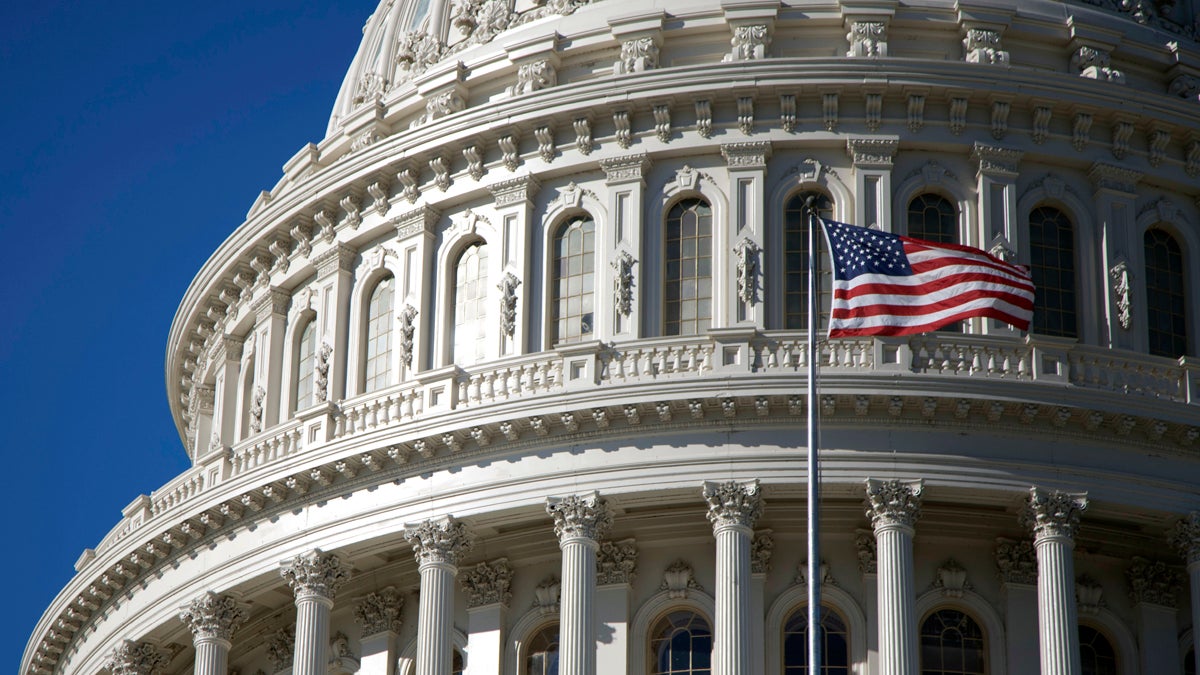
{"type": "Point", "coordinates": [894, 502]}
{"type": "Point", "coordinates": [867, 38]}
{"type": "Point", "coordinates": [761, 548]}
{"type": "Point", "coordinates": [1119, 275]}
{"type": "Point", "coordinates": [1053, 513]}
{"type": "Point", "coordinates": [481, 20]}
{"type": "Point", "coordinates": [379, 612]}
{"type": "Point", "coordinates": [616, 562]}
{"type": "Point", "coordinates": [316, 573]}
{"type": "Point", "coordinates": [1186, 537]}
{"type": "Point", "coordinates": [439, 541]}
{"type": "Point", "coordinates": [487, 583]}
{"type": "Point", "coordinates": [408, 328]}
{"type": "Point", "coordinates": [281, 647]}
{"type": "Point", "coordinates": [213, 616]}
{"type": "Point", "coordinates": [508, 303]}
{"type": "Point", "coordinates": [823, 571]}
{"type": "Point", "coordinates": [534, 76]}
{"type": "Point", "coordinates": [579, 516]}
{"type": "Point", "coordinates": [1017, 561]}
{"type": "Point", "coordinates": [1154, 582]}
{"type": "Point", "coordinates": [951, 579]}
{"type": "Point", "coordinates": [982, 45]}
{"type": "Point", "coordinates": [256, 410]}
{"type": "Point", "coordinates": [637, 55]}
{"type": "Point", "coordinates": [864, 545]}
{"type": "Point", "coordinates": [1185, 86]}
{"type": "Point", "coordinates": [370, 87]}
{"type": "Point", "coordinates": [678, 579]}
{"type": "Point", "coordinates": [750, 42]}
{"type": "Point", "coordinates": [733, 504]}
{"type": "Point", "coordinates": [1094, 63]}
{"type": "Point", "coordinates": [137, 658]}
{"type": "Point", "coordinates": [547, 595]}
{"type": "Point", "coordinates": [1089, 595]}
{"type": "Point", "coordinates": [746, 252]}
{"type": "Point", "coordinates": [872, 152]}
{"type": "Point", "coordinates": [416, 51]}
{"type": "Point", "coordinates": [623, 283]}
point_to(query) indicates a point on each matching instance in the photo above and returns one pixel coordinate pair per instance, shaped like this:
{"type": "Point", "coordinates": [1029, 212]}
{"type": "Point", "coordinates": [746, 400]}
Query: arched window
{"type": "Point", "coordinates": [952, 644]}
{"type": "Point", "coordinates": [1052, 262]}
{"type": "Point", "coordinates": [932, 218]}
{"type": "Point", "coordinates": [379, 336]}
{"type": "Point", "coordinates": [574, 280]}
{"type": "Point", "coordinates": [835, 643]}
{"type": "Point", "coordinates": [1166, 306]}
{"type": "Point", "coordinates": [470, 305]}
{"type": "Point", "coordinates": [306, 361]}
{"type": "Point", "coordinates": [795, 259]}
{"type": "Point", "coordinates": [688, 282]}
{"type": "Point", "coordinates": [542, 655]}
{"type": "Point", "coordinates": [1096, 653]}
{"type": "Point", "coordinates": [681, 644]}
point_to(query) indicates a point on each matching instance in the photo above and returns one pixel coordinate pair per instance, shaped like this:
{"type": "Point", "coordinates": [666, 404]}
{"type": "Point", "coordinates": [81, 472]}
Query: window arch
{"type": "Point", "coordinates": [1096, 653]}
{"type": "Point", "coordinates": [688, 281]}
{"type": "Point", "coordinates": [306, 361]}
{"type": "Point", "coordinates": [1166, 304]}
{"type": "Point", "coordinates": [1052, 262]}
{"type": "Point", "coordinates": [934, 218]}
{"type": "Point", "coordinates": [795, 259]}
{"type": "Point", "coordinates": [952, 643]}
{"type": "Point", "coordinates": [681, 644]}
{"type": "Point", "coordinates": [574, 280]}
{"type": "Point", "coordinates": [378, 365]}
{"type": "Point", "coordinates": [541, 656]}
{"type": "Point", "coordinates": [470, 330]}
{"type": "Point", "coordinates": [835, 643]}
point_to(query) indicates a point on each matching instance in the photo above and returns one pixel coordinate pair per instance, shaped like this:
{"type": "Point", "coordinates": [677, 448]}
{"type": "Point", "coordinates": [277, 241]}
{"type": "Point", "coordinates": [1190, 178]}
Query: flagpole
{"type": "Point", "coordinates": [814, 557]}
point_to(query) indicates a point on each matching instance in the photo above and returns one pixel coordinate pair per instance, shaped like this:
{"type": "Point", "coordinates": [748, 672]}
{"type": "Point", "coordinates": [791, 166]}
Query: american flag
{"type": "Point", "coordinates": [885, 284]}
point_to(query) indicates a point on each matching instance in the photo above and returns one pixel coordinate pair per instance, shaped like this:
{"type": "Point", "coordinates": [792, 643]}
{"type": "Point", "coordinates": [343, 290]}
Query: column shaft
{"type": "Point", "coordinates": [312, 635]}
{"type": "Point", "coordinates": [435, 620]}
{"type": "Point", "coordinates": [732, 630]}
{"type": "Point", "coordinates": [896, 600]}
{"type": "Point", "coordinates": [212, 656]}
{"type": "Point", "coordinates": [1057, 619]}
{"type": "Point", "coordinates": [577, 627]}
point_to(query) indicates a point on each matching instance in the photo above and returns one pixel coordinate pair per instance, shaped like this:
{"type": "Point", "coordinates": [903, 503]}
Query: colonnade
{"type": "Point", "coordinates": [581, 523]}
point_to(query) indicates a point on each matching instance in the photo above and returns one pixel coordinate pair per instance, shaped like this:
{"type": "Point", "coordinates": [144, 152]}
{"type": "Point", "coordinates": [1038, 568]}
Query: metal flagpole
{"type": "Point", "coordinates": [814, 557]}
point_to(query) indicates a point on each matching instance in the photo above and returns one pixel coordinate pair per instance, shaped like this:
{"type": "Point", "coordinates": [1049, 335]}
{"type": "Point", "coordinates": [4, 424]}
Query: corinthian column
{"type": "Point", "coordinates": [1054, 517]}
{"type": "Point", "coordinates": [438, 545]}
{"type": "Point", "coordinates": [1186, 538]}
{"type": "Point", "coordinates": [733, 509]}
{"type": "Point", "coordinates": [213, 619]}
{"type": "Point", "coordinates": [894, 507]}
{"type": "Point", "coordinates": [315, 578]}
{"type": "Point", "coordinates": [579, 521]}
{"type": "Point", "coordinates": [136, 658]}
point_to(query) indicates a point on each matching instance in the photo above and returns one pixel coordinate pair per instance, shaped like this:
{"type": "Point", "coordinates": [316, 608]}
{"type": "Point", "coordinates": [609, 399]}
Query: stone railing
{"type": "Point", "coordinates": [185, 486]}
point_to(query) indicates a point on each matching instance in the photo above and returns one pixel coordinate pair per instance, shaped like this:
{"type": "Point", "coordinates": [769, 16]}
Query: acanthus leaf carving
{"type": "Point", "coordinates": [747, 252]}
{"type": "Point", "coordinates": [214, 616]}
{"type": "Point", "coordinates": [585, 516]}
{"type": "Point", "coordinates": [1053, 513]}
{"type": "Point", "coordinates": [407, 319]}
{"type": "Point", "coordinates": [867, 38]}
{"type": "Point", "coordinates": [616, 562]}
{"type": "Point", "coordinates": [749, 42]}
{"type": "Point", "coordinates": [508, 303]}
{"type": "Point", "coordinates": [316, 573]}
{"type": "Point", "coordinates": [534, 76]}
{"type": "Point", "coordinates": [637, 55]}
{"type": "Point", "coordinates": [439, 541]}
{"type": "Point", "coordinates": [893, 502]}
{"type": "Point", "coordinates": [1119, 275]}
{"type": "Point", "coordinates": [487, 583]}
{"type": "Point", "coordinates": [982, 45]}
{"type": "Point", "coordinates": [623, 282]}
{"type": "Point", "coordinates": [1154, 582]}
{"type": "Point", "coordinates": [733, 504]}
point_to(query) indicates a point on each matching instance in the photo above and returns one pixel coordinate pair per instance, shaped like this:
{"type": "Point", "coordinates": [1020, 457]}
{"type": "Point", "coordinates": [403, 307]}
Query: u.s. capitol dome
{"type": "Point", "coordinates": [535, 311]}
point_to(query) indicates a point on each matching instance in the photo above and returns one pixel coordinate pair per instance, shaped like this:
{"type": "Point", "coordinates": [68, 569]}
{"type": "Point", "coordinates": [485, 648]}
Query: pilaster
{"type": "Point", "coordinates": [486, 586]}
{"type": "Point", "coordinates": [619, 254]}
{"type": "Point", "coordinates": [227, 361]}
{"type": "Point", "coordinates": [1186, 538]}
{"type": "Point", "coordinates": [1154, 588]}
{"type": "Point", "coordinates": [1017, 563]}
{"type": "Point", "coordinates": [616, 566]}
{"type": "Point", "coordinates": [335, 281]}
{"type": "Point", "coordinates": [270, 311]}
{"type": "Point", "coordinates": [1114, 202]}
{"type": "Point", "coordinates": [415, 237]}
{"type": "Point", "coordinates": [743, 286]}
{"type": "Point", "coordinates": [514, 201]}
{"type": "Point", "coordinates": [873, 158]}
{"type": "Point", "coordinates": [378, 613]}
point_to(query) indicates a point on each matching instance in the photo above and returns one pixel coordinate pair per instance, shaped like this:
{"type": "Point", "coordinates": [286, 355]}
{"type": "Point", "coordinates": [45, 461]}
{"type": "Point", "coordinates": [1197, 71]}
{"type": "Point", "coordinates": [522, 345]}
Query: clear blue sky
{"type": "Point", "coordinates": [136, 135]}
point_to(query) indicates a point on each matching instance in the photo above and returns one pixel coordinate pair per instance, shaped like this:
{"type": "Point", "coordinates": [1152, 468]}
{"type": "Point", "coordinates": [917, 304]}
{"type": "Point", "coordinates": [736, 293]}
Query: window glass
{"type": "Point", "coordinates": [543, 652]}
{"type": "Point", "coordinates": [379, 336]}
{"type": "Point", "coordinates": [470, 305]}
{"type": "Point", "coordinates": [688, 301]}
{"type": "Point", "coordinates": [835, 643]}
{"type": "Point", "coordinates": [932, 218]}
{"type": "Point", "coordinates": [952, 644]}
{"type": "Point", "coordinates": [1052, 262]}
{"type": "Point", "coordinates": [681, 645]}
{"type": "Point", "coordinates": [1166, 305]}
{"type": "Point", "coordinates": [1096, 653]}
{"type": "Point", "coordinates": [795, 260]}
{"type": "Point", "coordinates": [573, 280]}
{"type": "Point", "coordinates": [305, 365]}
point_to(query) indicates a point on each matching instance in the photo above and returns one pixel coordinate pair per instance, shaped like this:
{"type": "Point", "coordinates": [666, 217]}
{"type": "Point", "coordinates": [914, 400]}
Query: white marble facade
{"type": "Point", "coordinates": [506, 374]}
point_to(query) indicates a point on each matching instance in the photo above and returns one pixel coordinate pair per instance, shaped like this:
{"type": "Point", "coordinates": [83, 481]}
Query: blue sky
{"type": "Point", "coordinates": [136, 136]}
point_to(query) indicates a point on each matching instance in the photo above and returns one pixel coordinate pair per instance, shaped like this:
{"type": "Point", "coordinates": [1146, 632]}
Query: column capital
{"type": "Point", "coordinates": [996, 161]}
{"type": "Point", "coordinates": [338, 258]}
{"type": "Point", "coordinates": [517, 190]}
{"type": "Point", "coordinates": [872, 152]}
{"type": "Point", "coordinates": [315, 574]}
{"type": "Point", "coordinates": [626, 168]}
{"type": "Point", "coordinates": [1114, 178]}
{"type": "Point", "coordinates": [1186, 537]}
{"type": "Point", "coordinates": [1053, 513]}
{"type": "Point", "coordinates": [281, 648]}
{"type": "Point", "coordinates": [894, 502]}
{"type": "Point", "coordinates": [746, 155]}
{"type": "Point", "coordinates": [136, 658]}
{"type": "Point", "coordinates": [580, 516]}
{"type": "Point", "coordinates": [733, 504]}
{"type": "Point", "coordinates": [1154, 582]}
{"type": "Point", "coordinates": [379, 611]}
{"type": "Point", "coordinates": [616, 562]}
{"type": "Point", "coordinates": [1017, 561]}
{"type": "Point", "coordinates": [438, 541]}
{"type": "Point", "coordinates": [213, 616]}
{"type": "Point", "coordinates": [487, 583]}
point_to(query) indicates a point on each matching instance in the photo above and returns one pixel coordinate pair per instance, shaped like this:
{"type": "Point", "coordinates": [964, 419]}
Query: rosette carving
{"type": "Point", "coordinates": [579, 516]}
{"type": "Point", "coordinates": [379, 612]}
{"type": "Point", "coordinates": [733, 504]}
{"type": "Point", "coordinates": [316, 573]}
{"type": "Point", "coordinates": [616, 562]}
{"type": "Point", "coordinates": [894, 502]}
{"type": "Point", "coordinates": [487, 583]}
{"type": "Point", "coordinates": [213, 616]}
{"type": "Point", "coordinates": [1053, 513]}
{"type": "Point", "coordinates": [441, 540]}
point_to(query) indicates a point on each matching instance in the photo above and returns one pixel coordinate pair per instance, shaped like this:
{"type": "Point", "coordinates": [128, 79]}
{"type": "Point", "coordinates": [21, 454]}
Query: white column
{"type": "Point", "coordinates": [379, 615]}
{"type": "Point", "coordinates": [486, 586]}
{"type": "Point", "coordinates": [1017, 562]}
{"type": "Point", "coordinates": [136, 658]}
{"type": "Point", "coordinates": [733, 508]}
{"type": "Point", "coordinates": [864, 543]}
{"type": "Point", "coordinates": [1054, 518]}
{"type": "Point", "coordinates": [1187, 538]}
{"type": "Point", "coordinates": [894, 507]}
{"type": "Point", "coordinates": [616, 565]}
{"type": "Point", "coordinates": [314, 577]}
{"type": "Point", "coordinates": [579, 521]}
{"type": "Point", "coordinates": [213, 619]}
{"type": "Point", "coordinates": [438, 545]}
